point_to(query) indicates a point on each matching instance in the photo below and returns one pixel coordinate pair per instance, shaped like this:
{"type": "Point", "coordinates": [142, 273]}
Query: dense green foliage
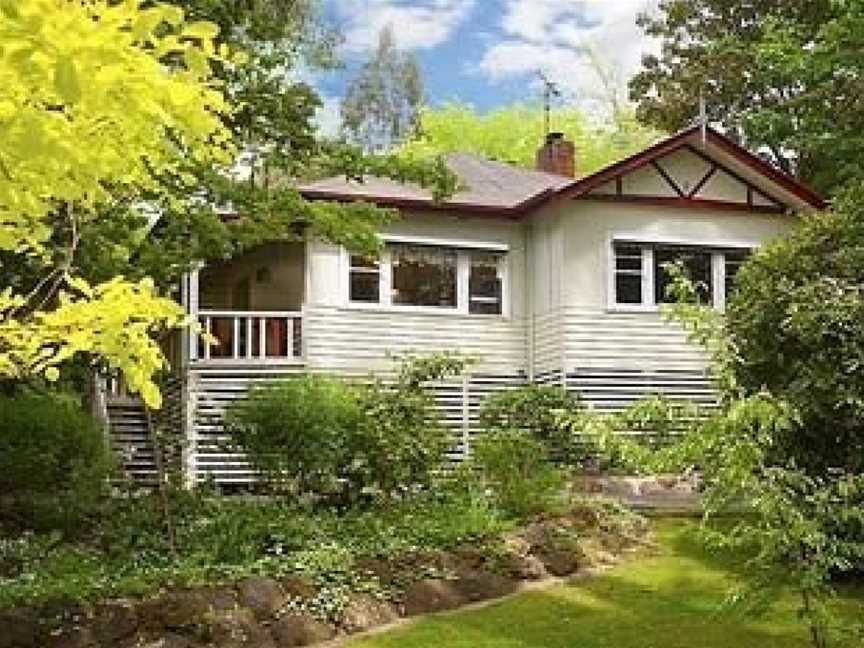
{"type": "Point", "coordinates": [516, 469]}
{"type": "Point", "coordinates": [782, 75]}
{"type": "Point", "coordinates": [537, 410]}
{"type": "Point", "coordinates": [53, 464]}
{"type": "Point", "coordinates": [797, 324]}
{"type": "Point", "coordinates": [344, 441]}
{"type": "Point", "coordinates": [222, 538]}
{"type": "Point", "coordinates": [514, 133]}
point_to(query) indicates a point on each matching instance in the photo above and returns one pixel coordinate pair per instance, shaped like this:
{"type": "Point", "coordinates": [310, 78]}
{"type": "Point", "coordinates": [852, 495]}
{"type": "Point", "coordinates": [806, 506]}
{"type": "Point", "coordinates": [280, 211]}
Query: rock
{"type": "Point", "coordinates": [113, 622]}
{"type": "Point", "coordinates": [364, 611]}
{"type": "Point", "coordinates": [19, 629]}
{"type": "Point", "coordinates": [299, 587]}
{"type": "Point", "coordinates": [171, 640]}
{"type": "Point", "coordinates": [237, 629]}
{"type": "Point", "coordinates": [300, 630]}
{"type": "Point", "coordinates": [559, 562]}
{"type": "Point", "coordinates": [262, 595]}
{"type": "Point", "coordinates": [431, 595]}
{"type": "Point", "coordinates": [479, 585]}
{"type": "Point", "coordinates": [175, 610]}
{"type": "Point", "coordinates": [524, 567]}
{"type": "Point", "coordinates": [71, 638]}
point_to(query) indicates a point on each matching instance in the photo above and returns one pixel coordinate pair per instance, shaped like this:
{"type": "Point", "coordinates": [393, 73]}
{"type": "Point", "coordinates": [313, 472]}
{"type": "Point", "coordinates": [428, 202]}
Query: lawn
{"type": "Point", "coordinates": [668, 600]}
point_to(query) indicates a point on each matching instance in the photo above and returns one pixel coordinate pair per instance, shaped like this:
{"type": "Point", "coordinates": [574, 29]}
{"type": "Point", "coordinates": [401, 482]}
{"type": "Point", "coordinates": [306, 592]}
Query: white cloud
{"type": "Point", "coordinates": [572, 41]}
{"type": "Point", "coordinates": [417, 24]}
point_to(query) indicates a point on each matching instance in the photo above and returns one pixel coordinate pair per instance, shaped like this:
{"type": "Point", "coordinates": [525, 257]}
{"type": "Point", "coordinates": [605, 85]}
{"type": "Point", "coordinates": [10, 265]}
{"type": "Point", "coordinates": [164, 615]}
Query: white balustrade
{"type": "Point", "coordinates": [253, 336]}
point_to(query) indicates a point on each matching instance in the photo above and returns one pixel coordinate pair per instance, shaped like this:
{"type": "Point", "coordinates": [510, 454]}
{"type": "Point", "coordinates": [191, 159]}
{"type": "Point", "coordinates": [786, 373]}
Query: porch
{"type": "Point", "coordinates": [249, 308]}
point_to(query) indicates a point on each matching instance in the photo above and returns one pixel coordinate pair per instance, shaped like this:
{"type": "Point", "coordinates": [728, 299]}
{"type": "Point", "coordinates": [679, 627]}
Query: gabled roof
{"type": "Point", "coordinates": [505, 190]}
{"type": "Point", "coordinates": [715, 145]}
{"type": "Point", "coordinates": [489, 186]}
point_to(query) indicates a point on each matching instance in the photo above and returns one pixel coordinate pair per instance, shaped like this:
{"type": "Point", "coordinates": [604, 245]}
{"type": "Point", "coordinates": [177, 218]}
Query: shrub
{"type": "Point", "coordinates": [344, 441]}
{"type": "Point", "coordinates": [796, 321]}
{"type": "Point", "coordinates": [516, 468]}
{"type": "Point", "coordinates": [54, 463]}
{"type": "Point", "coordinates": [536, 409]}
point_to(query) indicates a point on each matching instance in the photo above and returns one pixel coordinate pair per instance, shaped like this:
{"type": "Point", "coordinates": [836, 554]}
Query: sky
{"type": "Point", "coordinates": [488, 52]}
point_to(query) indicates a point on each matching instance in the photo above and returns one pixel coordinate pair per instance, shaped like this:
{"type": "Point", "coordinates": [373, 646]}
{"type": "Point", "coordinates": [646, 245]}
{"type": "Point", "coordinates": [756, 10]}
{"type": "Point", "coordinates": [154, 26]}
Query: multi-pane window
{"type": "Point", "coordinates": [365, 279]}
{"type": "Point", "coordinates": [470, 281]}
{"type": "Point", "coordinates": [484, 284]}
{"type": "Point", "coordinates": [643, 273]}
{"type": "Point", "coordinates": [423, 275]}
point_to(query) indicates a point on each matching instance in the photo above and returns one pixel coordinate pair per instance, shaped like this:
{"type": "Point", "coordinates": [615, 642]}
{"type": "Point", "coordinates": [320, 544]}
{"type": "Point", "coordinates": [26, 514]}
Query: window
{"type": "Point", "coordinates": [420, 275]}
{"type": "Point", "coordinates": [697, 266]}
{"type": "Point", "coordinates": [733, 261]}
{"type": "Point", "coordinates": [628, 274]}
{"type": "Point", "coordinates": [641, 276]}
{"type": "Point", "coordinates": [365, 282]}
{"type": "Point", "coordinates": [484, 284]}
{"type": "Point", "coordinates": [423, 276]}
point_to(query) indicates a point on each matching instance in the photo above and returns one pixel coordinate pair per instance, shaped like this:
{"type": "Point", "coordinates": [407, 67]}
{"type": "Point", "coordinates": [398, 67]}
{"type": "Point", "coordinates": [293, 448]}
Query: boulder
{"type": "Point", "coordinates": [365, 611]}
{"type": "Point", "coordinates": [19, 628]}
{"type": "Point", "coordinates": [171, 640]}
{"type": "Point", "coordinates": [113, 622]}
{"type": "Point", "coordinates": [479, 585]}
{"type": "Point", "coordinates": [237, 629]}
{"type": "Point", "coordinates": [524, 567]}
{"type": "Point", "coordinates": [175, 610]}
{"type": "Point", "coordinates": [432, 595]}
{"type": "Point", "coordinates": [300, 630]}
{"type": "Point", "coordinates": [262, 595]}
{"type": "Point", "coordinates": [299, 587]}
{"type": "Point", "coordinates": [559, 562]}
{"type": "Point", "coordinates": [71, 638]}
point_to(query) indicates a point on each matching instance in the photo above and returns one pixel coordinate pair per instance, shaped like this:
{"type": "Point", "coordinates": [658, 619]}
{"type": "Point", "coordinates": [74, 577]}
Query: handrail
{"type": "Point", "coordinates": [244, 313]}
{"type": "Point", "coordinates": [256, 336]}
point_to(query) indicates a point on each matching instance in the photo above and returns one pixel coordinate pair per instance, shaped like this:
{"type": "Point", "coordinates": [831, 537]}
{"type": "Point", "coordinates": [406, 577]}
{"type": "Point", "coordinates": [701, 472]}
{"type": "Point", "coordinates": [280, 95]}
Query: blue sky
{"type": "Point", "coordinates": [487, 52]}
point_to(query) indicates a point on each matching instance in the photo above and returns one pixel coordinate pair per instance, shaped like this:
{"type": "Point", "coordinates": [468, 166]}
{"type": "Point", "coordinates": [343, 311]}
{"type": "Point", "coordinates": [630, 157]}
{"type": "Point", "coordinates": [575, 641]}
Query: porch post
{"type": "Point", "coordinates": [190, 436]}
{"type": "Point", "coordinates": [192, 310]}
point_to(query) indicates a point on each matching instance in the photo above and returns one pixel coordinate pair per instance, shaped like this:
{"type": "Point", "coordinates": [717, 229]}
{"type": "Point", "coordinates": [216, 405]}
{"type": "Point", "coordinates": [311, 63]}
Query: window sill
{"type": "Point", "coordinates": [419, 310]}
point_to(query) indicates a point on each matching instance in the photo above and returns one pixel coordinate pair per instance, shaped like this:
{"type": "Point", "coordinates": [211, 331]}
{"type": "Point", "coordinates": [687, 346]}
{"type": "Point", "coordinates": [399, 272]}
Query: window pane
{"type": "Point", "coordinates": [628, 289]}
{"type": "Point", "coordinates": [484, 287]}
{"type": "Point", "coordinates": [628, 274]}
{"type": "Point", "coordinates": [364, 284]}
{"type": "Point", "coordinates": [424, 276]}
{"type": "Point", "coordinates": [697, 268]}
{"type": "Point", "coordinates": [734, 260]}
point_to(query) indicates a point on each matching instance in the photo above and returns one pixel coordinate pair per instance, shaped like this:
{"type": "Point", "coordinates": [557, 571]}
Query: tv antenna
{"type": "Point", "coordinates": [550, 90]}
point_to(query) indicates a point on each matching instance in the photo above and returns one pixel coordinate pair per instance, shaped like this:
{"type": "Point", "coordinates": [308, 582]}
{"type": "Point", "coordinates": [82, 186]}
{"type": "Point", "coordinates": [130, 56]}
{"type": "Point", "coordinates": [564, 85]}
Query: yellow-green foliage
{"type": "Point", "coordinates": [513, 133]}
{"type": "Point", "coordinates": [100, 100]}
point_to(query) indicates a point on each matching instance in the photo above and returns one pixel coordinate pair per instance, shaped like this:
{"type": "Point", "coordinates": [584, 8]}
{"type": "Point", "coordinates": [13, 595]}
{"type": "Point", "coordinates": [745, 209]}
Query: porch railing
{"type": "Point", "coordinates": [249, 335]}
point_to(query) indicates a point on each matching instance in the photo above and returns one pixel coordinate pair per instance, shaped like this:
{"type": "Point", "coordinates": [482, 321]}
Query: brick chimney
{"type": "Point", "coordinates": [557, 155]}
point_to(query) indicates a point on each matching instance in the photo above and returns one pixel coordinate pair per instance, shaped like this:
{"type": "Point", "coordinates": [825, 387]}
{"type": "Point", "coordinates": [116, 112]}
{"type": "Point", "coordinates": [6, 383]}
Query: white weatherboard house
{"type": "Point", "coordinates": [539, 275]}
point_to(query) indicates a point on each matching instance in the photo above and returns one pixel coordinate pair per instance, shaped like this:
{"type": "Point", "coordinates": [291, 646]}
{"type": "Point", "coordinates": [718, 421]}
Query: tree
{"type": "Point", "coordinates": [513, 134]}
{"type": "Point", "coordinates": [91, 115]}
{"type": "Point", "coordinates": [785, 76]}
{"type": "Point", "coordinates": [796, 322]}
{"type": "Point", "coordinates": [381, 106]}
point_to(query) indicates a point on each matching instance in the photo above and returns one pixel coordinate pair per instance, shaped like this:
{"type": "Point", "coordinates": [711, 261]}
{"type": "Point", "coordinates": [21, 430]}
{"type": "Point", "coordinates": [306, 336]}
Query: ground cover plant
{"type": "Point", "coordinates": [673, 599]}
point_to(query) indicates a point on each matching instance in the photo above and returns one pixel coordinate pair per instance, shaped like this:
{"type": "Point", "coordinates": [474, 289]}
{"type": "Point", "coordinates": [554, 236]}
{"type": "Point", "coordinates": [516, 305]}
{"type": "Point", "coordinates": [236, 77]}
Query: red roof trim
{"type": "Point", "coordinates": [689, 203]}
{"type": "Point", "coordinates": [680, 140]}
{"type": "Point", "coordinates": [510, 212]}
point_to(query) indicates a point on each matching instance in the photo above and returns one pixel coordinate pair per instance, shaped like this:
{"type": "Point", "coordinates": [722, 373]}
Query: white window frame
{"type": "Point", "coordinates": [649, 299]}
{"type": "Point", "coordinates": [463, 250]}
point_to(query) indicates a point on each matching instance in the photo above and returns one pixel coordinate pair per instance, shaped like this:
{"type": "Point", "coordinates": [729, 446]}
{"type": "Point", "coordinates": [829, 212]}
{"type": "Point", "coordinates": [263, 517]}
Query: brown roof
{"type": "Point", "coordinates": [489, 186]}
{"type": "Point", "coordinates": [505, 190]}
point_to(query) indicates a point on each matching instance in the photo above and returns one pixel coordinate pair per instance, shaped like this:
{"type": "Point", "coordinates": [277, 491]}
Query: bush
{"type": "Point", "coordinates": [342, 441]}
{"type": "Point", "coordinates": [538, 410]}
{"type": "Point", "coordinates": [54, 463]}
{"type": "Point", "coordinates": [516, 468]}
{"type": "Point", "coordinates": [796, 321]}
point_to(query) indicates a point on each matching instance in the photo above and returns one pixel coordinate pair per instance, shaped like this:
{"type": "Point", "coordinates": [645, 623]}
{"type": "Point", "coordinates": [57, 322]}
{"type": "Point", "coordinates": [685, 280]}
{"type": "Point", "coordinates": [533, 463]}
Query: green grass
{"type": "Point", "coordinates": [668, 600]}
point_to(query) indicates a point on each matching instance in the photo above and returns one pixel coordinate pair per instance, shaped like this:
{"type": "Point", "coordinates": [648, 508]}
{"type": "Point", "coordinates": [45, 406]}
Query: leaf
{"type": "Point", "coordinates": [52, 374]}
{"type": "Point", "coordinates": [66, 81]}
{"type": "Point", "coordinates": [201, 29]}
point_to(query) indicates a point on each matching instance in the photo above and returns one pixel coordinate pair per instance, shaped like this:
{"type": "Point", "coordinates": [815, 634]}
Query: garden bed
{"type": "Point", "coordinates": [371, 570]}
